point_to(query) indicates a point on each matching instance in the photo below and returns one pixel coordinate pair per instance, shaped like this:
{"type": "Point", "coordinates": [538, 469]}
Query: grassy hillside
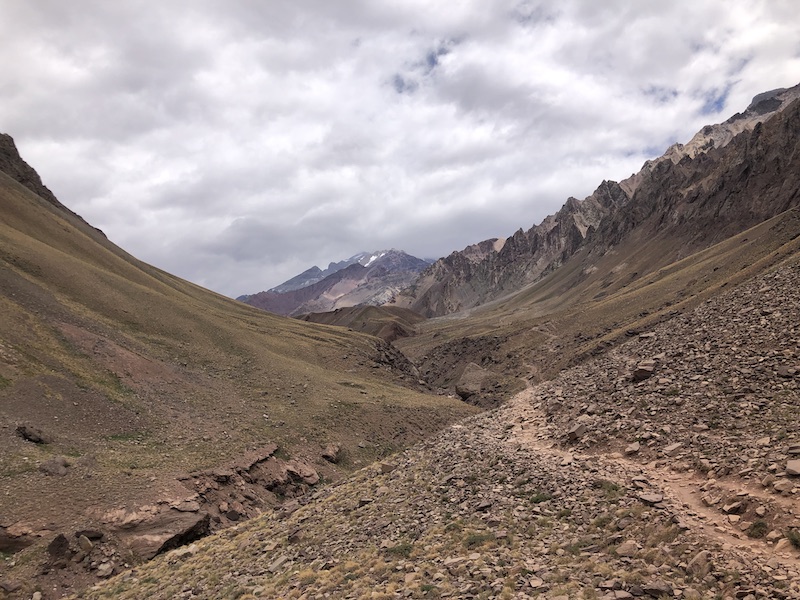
{"type": "Point", "coordinates": [135, 377]}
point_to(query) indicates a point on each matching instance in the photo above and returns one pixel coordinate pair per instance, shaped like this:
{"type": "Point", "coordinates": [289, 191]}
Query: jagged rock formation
{"type": "Point", "coordinates": [720, 183]}
{"type": "Point", "coordinates": [11, 163]}
{"type": "Point", "coordinates": [490, 269]}
{"type": "Point", "coordinates": [375, 282]}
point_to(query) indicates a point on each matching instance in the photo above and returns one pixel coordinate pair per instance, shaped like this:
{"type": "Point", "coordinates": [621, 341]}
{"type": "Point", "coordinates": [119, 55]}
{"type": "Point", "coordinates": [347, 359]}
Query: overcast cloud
{"type": "Point", "coordinates": [238, 143]}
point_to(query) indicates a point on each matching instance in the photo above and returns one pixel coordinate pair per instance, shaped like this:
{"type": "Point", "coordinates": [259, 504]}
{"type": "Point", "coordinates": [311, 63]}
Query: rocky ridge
{"type": "Point", "coordinates": [13, 165]}
{"type": "Point", "coordinates": [720, 183]}
{"type": "Point", "coordinates": [717, 136]}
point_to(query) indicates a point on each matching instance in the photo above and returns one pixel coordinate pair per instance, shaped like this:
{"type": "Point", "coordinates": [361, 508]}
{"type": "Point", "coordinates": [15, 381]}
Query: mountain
{"type": "Point", "coordinates": [640, 352]}
{"type": "Point", "coordinates": [139, 412]}
{"type": "Point", "coordinates": [366, 278]}
{"type": "Point", "coordinates": [315, 274]}
{"type": "Point", "coordinates": [694, 195]}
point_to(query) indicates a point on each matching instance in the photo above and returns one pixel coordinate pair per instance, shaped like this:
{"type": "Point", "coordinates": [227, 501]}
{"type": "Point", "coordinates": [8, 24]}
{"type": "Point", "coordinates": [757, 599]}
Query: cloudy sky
{"type": "Point", "coordinates": [238, 143]}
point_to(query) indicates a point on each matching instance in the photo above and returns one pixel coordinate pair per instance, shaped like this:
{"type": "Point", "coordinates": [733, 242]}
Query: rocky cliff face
{"type": "Point", "coordinates": [490, 269]}
{"type": "Point", "coordinates": [728, 178]}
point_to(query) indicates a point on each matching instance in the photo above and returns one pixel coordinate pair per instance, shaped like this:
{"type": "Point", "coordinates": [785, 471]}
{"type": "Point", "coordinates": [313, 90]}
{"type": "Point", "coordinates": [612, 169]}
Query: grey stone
{"type": "Point", "coordinates": [651, 498]}
{"type": "Point", "coordinates": [56, 466]}
{"type": "Point", "coordinates": [85, 544]}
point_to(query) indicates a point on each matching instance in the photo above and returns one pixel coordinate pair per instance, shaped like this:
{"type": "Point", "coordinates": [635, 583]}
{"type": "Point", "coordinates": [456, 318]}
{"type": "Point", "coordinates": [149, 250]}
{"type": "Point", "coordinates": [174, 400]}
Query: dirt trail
{"type": "Point", "coordinates": [681, 490]}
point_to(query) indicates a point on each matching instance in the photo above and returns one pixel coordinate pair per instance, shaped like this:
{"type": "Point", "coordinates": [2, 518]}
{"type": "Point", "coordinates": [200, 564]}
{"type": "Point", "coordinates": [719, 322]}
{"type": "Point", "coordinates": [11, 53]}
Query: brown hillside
{"type": "Point", "coordinates": [386, 322]}
{"type": "Point", "coordinates": [142, 384]}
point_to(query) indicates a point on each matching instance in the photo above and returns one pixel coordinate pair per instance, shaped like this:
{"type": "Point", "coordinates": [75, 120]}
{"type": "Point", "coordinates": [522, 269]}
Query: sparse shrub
{"type": "Point", "coordinates": [758, 529]}
{"type": "Point", "coordinates": [603, 520]}
{"type": "Point", "coordinates": [477, 539]}
{"type": "Point", "coordinates": [793, 535]}
{"type": "Point", "coordinates": [611, 489]}
{"type": "Point", "coordinates": [540, 497]}
{"type": "Point", "coordinates": [403, 550]}
{"type": "Point", "coordinates": [306, 577]}
{"type": "Point", "coordinates": [454, 526]}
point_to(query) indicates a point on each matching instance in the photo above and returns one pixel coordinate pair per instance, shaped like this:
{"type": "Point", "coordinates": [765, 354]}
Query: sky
{"type": "Point", "coordinates": [238, 143]}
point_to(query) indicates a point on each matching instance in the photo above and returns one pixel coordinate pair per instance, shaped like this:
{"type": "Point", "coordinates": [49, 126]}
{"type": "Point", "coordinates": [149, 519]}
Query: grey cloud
{"type": "Point", "coordinates": [238, 143]}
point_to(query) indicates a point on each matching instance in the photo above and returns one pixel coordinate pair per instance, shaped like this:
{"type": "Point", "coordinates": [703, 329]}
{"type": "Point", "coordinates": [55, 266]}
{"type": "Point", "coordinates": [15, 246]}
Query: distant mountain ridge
{"type": "Point", "coordinates": [367, 278]}
{"type": "Point", "coordinates": [315, 274]}
{"type": "Point", "coordinates": [697, 193]}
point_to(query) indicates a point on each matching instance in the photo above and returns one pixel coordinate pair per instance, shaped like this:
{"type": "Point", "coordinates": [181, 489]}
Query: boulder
{"type": "Point", "coordinates": [700, 565]}
{"type": "Point", "coordinates": [59, 547]}
{"type": "Point", "coordinates": [576, 432]}
{"type": "Point", "coordinates": [470, 382]}
{"type": "Point", "coordinates": [657, 589]}
{"type": "Point", "coordinates": [644, 370]}
{"type": "Point", "coordinates": [651, 499]}
{"type": "Point", "coordinates": [56, 466]}
{"type": "Point", "coordinates": [152, 530]}
{"type": "Point", "coordinates": [302, 471]}
{"type": "Point", "coordinates": [633, 448]}
{"type": "Point", "coordinates": [628, 548]}
{"type": "Point", "coordinates": [33, 434]}
{"type": "Point", "coordinates": [332, 453]}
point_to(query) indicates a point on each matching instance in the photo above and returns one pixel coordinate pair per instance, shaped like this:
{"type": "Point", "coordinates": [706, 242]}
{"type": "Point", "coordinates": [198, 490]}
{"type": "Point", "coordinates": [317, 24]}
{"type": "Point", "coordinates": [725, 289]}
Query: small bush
{"type": "Point", "coordinates": [403, 550]}
{"type": "Point", "coordinates": [793, 535]}
{"type": "Point", "coordinates": [477, 539]}
{"type": "Point", "coordinates": [540, 497]}
{"type": "Point", "coordinates": [758, 529]}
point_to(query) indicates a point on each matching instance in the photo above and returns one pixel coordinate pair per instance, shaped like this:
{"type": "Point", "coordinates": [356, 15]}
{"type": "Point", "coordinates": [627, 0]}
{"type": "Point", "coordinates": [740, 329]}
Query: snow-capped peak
{"type": "Point", "coordinates": [373, 258]}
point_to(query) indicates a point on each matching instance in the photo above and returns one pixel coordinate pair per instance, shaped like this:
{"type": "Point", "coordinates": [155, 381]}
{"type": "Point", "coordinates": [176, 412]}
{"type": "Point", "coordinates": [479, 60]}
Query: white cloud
{"type": "Point", "coordinates": [237, 144]}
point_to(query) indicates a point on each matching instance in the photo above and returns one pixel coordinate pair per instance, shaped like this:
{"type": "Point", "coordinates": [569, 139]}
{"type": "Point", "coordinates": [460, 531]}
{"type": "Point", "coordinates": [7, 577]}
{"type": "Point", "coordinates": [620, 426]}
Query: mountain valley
{"type": "Point", "coordinates": [603, 407]}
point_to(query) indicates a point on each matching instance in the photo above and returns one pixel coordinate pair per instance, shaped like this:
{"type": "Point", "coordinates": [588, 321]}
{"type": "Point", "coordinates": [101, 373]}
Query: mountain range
{"type": "Point", "coordinates": [602, 406]}
{"type": "Point", "coordinates": [364, 279]}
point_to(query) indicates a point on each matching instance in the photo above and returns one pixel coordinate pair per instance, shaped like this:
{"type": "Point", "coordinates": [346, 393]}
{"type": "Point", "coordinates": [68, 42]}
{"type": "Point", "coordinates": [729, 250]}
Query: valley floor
{"type": "Point", "coordinates": [665, 468]}
{"type": "Point", "coordinates": [492, 507]}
